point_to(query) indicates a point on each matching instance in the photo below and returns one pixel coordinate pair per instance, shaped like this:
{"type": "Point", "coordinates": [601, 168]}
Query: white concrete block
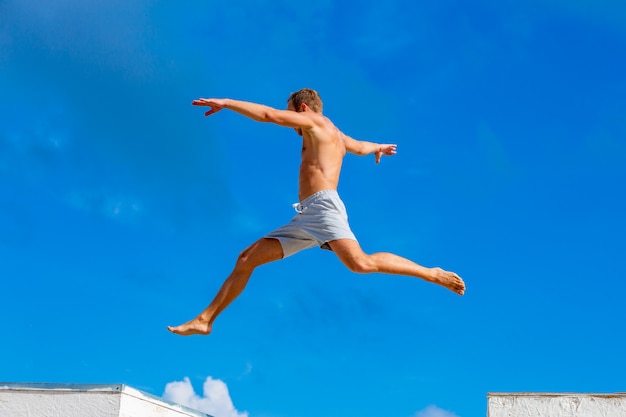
{"type": "Point", "coordinates": [76, 400]}
{"type": "Point", "coordinates": [556, 405]}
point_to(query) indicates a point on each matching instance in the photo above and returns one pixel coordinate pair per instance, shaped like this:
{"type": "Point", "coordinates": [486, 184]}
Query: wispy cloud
{"type": "Point", "coordinates": [215, 399]}
{"type": "Point", "coordinates": [434, 411]}
{"type": "Point", "coordinates": [114, 206]}
{"type": "Point", "coordinates": [100, 112]}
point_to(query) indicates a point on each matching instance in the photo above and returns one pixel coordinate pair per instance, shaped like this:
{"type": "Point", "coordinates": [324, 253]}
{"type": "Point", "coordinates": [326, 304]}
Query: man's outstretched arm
{"type": "Point", "coordinates": [362, 148]}
{"type": "Point", "coordinates": [256, 111]}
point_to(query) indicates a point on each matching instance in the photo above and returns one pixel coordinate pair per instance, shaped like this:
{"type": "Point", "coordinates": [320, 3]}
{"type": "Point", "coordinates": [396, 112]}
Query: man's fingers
{"type": "Point", "coordinates": [213, 110]}
{"type": "Point", "coordinates": [391, 150]}
{"type": "Point", "coordinates": [201, 102]}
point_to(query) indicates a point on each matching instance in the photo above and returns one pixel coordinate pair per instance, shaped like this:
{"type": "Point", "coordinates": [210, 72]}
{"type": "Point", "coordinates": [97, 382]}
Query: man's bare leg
{"type": "Point", "coordinates": [351, 254]}
{"type": "Point", "coordinates": [259, 253]}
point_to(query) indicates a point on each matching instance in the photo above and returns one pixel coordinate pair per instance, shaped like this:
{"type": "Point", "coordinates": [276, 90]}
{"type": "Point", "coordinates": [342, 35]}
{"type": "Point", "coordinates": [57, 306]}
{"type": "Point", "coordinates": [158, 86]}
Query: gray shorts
{"type": "Point", "coordinates": [321, 218]}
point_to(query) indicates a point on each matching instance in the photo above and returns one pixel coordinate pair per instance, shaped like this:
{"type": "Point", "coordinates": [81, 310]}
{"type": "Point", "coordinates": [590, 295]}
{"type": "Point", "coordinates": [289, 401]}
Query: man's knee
{"type": "Point", "coordinates": [353, 256]}
{"type": "Point", "coordinates": [244, 260]}
{"type": "Point", "coordinates": [259, 253]}
{"type": "Point", "coordinates": [362, 264]}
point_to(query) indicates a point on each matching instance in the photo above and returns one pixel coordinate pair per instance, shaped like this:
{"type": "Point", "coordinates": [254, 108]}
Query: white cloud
{"type": "Point", "coordinates": [102, 202]}
{"type": "Point", "coordinates": [433, 411]}
{"type": "Point", "coordinates": [215, 399]}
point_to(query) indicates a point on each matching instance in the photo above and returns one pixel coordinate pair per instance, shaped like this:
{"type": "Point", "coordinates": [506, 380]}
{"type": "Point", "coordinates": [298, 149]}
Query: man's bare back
{"type": "Point", "coordinates": [323, 149]}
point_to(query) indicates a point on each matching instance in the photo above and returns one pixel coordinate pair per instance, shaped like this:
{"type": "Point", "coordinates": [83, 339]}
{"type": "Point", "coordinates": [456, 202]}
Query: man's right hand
{"type": "Point", "coordinates": [385, 149]}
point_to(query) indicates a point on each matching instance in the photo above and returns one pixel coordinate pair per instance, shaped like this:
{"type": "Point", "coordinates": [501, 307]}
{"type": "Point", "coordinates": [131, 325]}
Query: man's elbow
{"type": "Point", "coordinates": [271, 116]}
{"type": "Point", "coordinates": [360, 150]}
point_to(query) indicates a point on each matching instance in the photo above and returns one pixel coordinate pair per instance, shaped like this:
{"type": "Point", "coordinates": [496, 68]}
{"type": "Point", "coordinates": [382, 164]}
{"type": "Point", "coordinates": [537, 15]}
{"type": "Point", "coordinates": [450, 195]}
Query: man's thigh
{"type": "Point", "coordinates": [263, 251]}
{"type": "Point", "coordinates": [348, 251]}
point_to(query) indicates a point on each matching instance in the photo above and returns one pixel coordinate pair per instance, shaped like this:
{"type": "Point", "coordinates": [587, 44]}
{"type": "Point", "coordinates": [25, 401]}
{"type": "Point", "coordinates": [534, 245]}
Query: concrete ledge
{"type": "Point", "coordinates": [527, 404]}
{"type": "Point", "coordinates": [85, 400]}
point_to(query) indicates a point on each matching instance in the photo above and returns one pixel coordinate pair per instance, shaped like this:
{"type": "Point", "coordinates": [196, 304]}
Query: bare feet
{"type": "Point", "coordinates": [195, 326]}
{"type": "Point", "coordinates": [450, 280]}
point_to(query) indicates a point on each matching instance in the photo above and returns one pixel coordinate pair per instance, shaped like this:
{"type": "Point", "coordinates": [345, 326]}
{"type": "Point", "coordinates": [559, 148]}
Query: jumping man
{"type": "Point", "coordinates": [321, 218]}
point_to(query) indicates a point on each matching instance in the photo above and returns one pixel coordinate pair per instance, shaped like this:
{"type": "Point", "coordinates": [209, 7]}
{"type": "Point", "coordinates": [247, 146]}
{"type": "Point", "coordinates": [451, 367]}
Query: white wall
{"type": "Point", "coordinates": [556, 405]}
{"type": "Point", "coordinates": [66, 400]}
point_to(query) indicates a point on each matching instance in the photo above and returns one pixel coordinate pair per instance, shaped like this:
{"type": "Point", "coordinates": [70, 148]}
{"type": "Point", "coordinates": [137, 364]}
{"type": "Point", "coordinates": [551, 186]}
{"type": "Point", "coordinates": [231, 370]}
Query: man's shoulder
{"type": "Point", "coordinates": [319, 118]}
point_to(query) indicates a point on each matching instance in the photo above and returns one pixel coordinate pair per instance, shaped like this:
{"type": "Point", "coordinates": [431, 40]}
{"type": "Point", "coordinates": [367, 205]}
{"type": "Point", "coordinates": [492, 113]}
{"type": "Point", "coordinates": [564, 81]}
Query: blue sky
{"type": "Point", "coordinates": [122, 209]}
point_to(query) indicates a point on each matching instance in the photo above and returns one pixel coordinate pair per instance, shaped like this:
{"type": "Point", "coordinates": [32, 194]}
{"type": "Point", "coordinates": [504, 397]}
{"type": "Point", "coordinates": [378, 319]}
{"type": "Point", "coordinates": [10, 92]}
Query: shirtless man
{"type": "Point", "coordinates": [321, 218]}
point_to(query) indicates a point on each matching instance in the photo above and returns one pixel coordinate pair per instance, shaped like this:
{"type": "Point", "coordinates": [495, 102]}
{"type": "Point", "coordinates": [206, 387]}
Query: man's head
{"type": "Point", "coordinates": [306, 97]}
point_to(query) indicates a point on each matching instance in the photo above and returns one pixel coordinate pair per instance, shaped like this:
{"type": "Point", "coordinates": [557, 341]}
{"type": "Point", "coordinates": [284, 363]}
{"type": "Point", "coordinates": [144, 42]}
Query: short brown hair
{"type": "Point", "coordinates": [307, 96]}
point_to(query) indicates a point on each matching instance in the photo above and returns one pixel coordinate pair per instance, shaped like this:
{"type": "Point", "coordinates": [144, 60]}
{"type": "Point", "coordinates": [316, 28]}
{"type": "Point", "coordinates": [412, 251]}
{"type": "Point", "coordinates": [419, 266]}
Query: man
{"type": "Point", "coordinates": [321, 218]}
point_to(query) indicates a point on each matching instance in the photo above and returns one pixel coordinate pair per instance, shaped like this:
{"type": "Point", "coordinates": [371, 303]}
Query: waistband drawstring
{"type": "Point", "coordinates": [298, 207]}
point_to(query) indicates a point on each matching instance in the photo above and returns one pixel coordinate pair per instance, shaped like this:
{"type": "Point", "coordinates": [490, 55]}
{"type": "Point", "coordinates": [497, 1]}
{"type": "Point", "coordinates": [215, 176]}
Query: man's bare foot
{"type": "Point", "coordinates": [195, 326]}
{"type": "Point", "coordinates": [450, 280]}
